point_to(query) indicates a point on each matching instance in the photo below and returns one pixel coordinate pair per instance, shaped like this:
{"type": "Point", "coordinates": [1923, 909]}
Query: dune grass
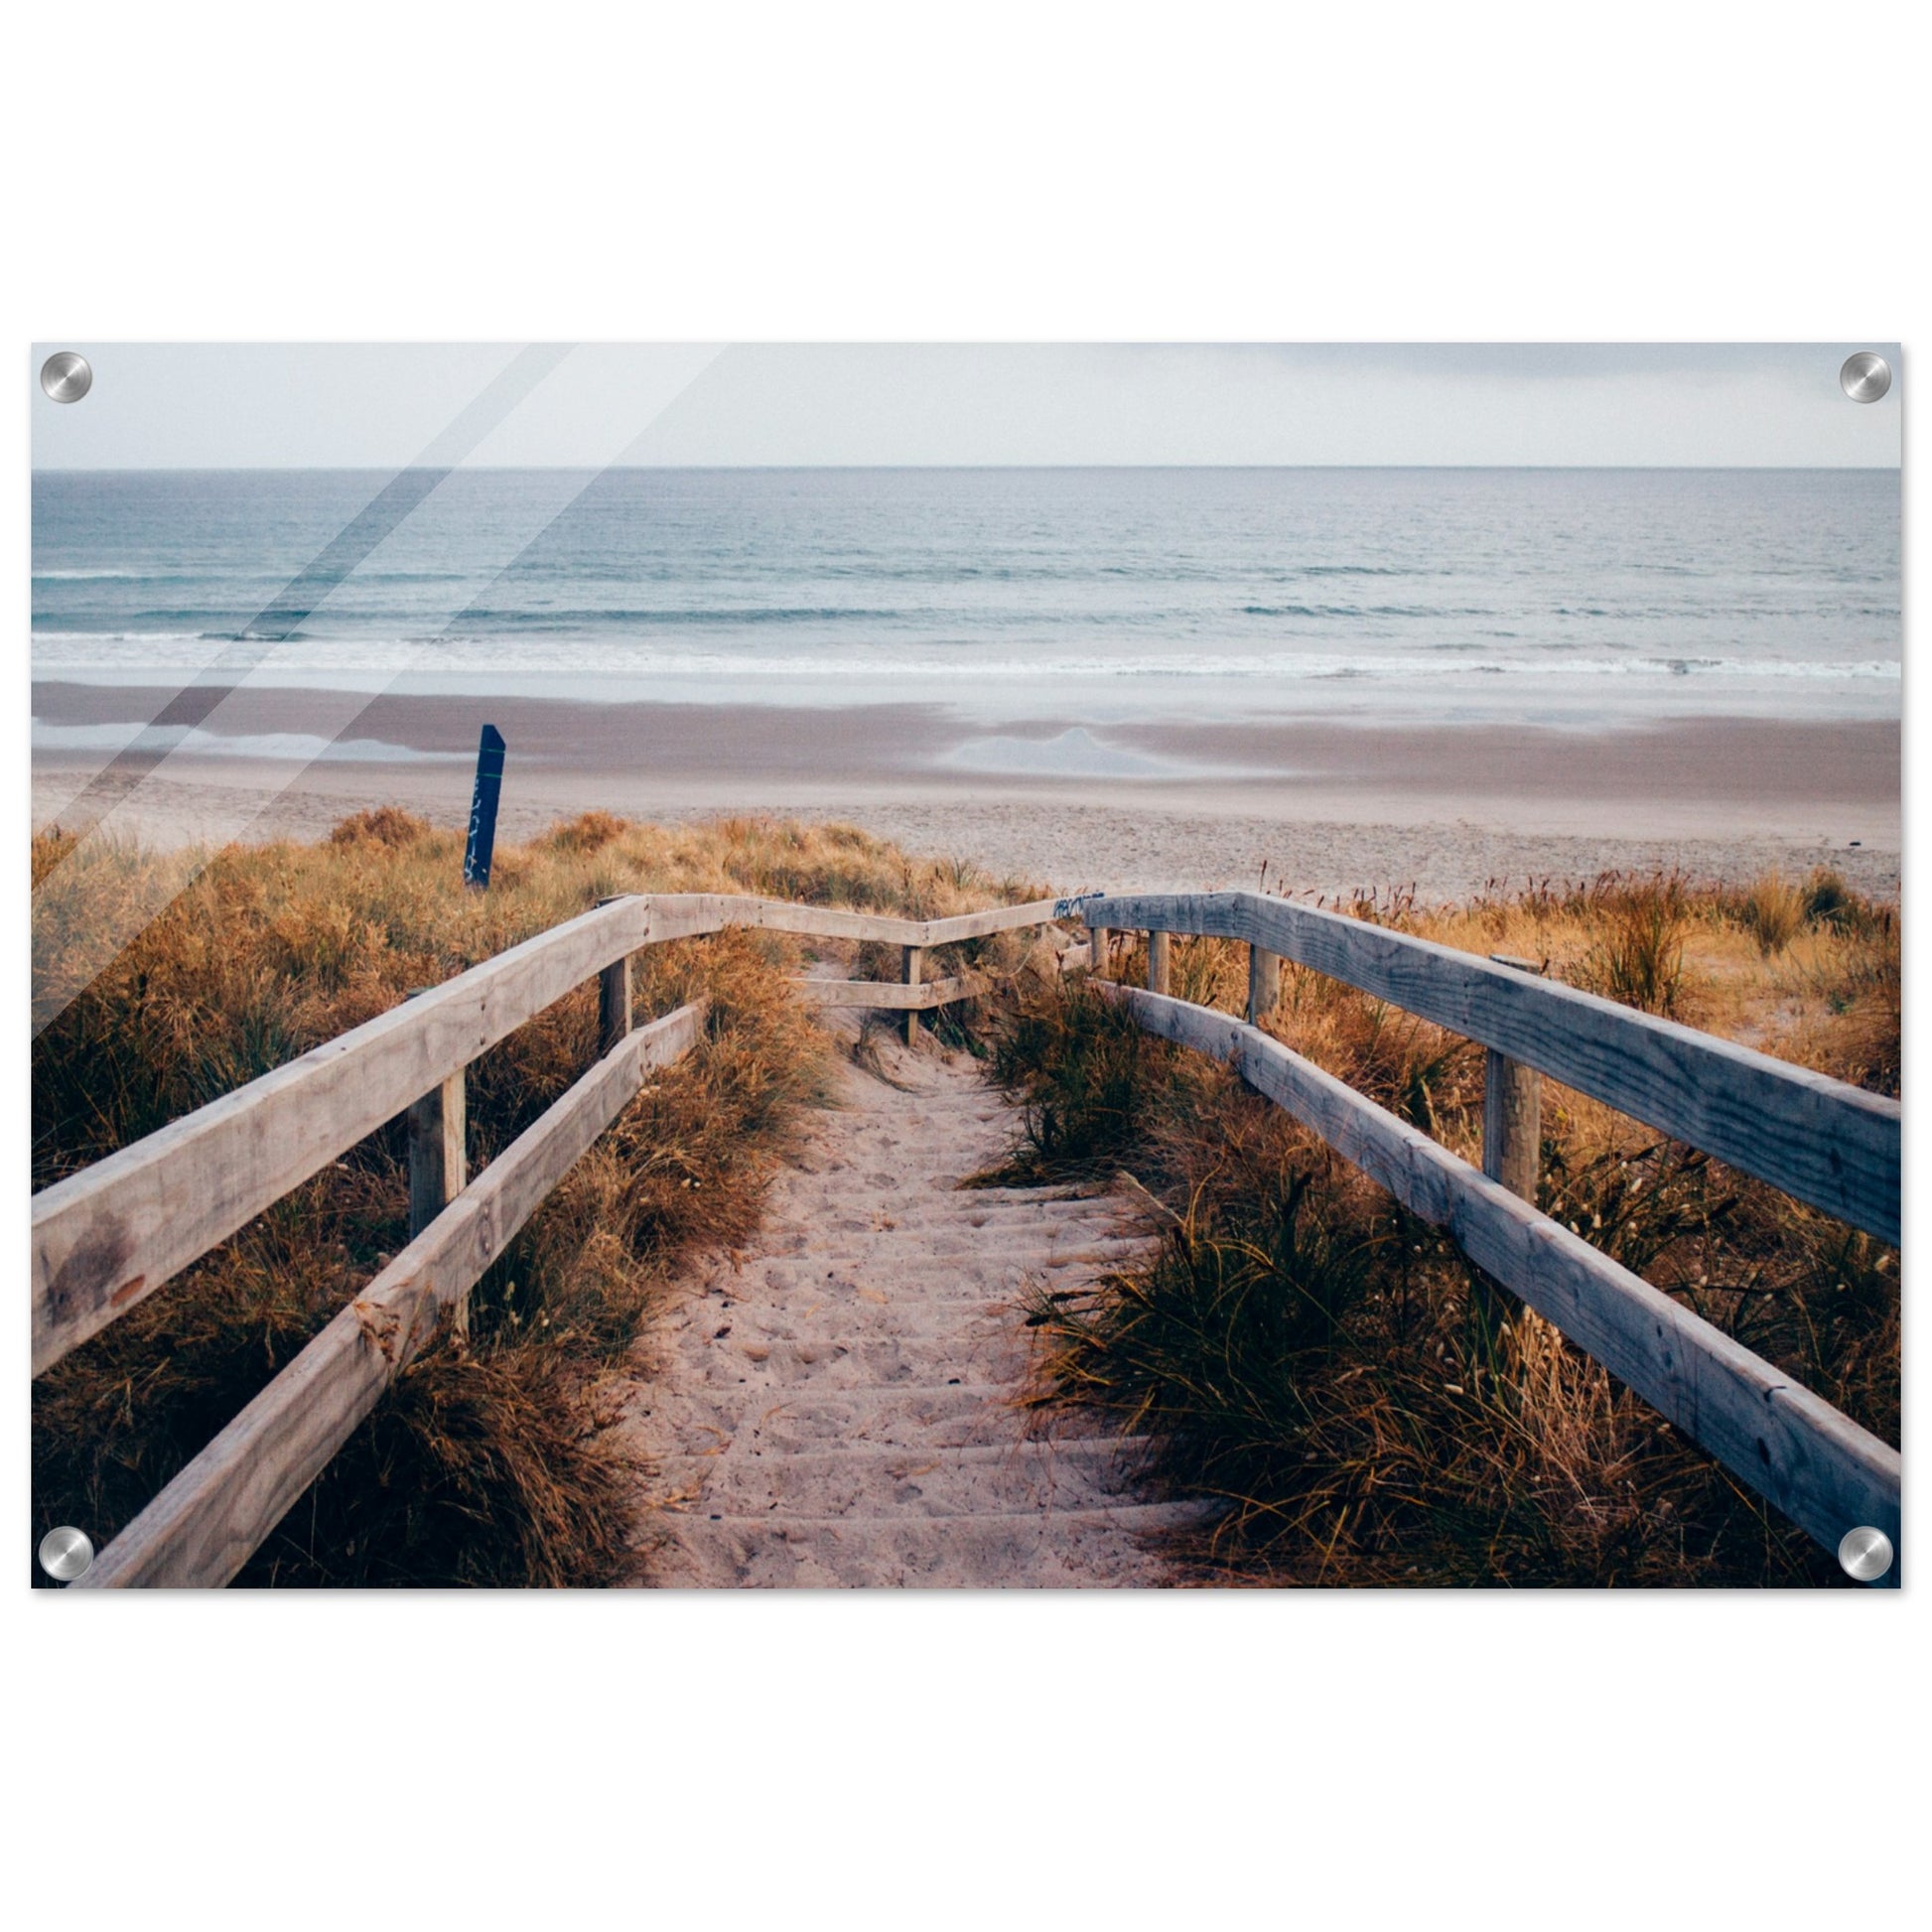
{"type": "Point", "coordinates": [489, 1462]}
{"type": "Point", "coordinates": [1367, 1408]}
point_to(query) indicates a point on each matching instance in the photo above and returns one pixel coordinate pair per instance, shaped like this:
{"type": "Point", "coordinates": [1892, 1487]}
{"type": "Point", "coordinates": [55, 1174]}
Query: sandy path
{"type": "Point", "coordinates": [836, 1407]}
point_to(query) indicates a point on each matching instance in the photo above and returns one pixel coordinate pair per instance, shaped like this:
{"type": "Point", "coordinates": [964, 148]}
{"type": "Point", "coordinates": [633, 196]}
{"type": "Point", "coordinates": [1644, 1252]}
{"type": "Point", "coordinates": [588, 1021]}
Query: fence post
{"type": "Point", "coordinates": [1512, 1112]}
{"type": "Point", "coordinates": [612, 1004]}
{"type": "Point", "coordinates": [1512, 1123]}
{"type": "Point", "coordinates": [1157, 962]}
{"type": "Point", "coordinates": [1264, 984]}
{"type": "Point", "coordinates": [911, 964]}
{"type": "Point", "coordinates": [1512, 1153]}
{"type": "Point", "coordinates": [436, 1160]}
{"type": "Point", "coordinates": [613, 997]}
{"type": "Point", "coordinates": [1097, 936]}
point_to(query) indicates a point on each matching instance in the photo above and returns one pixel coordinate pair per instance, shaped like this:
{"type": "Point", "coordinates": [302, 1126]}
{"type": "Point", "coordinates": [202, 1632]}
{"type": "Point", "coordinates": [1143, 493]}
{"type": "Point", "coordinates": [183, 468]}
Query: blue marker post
{"type": "Point", "coordinates": [483, 809]}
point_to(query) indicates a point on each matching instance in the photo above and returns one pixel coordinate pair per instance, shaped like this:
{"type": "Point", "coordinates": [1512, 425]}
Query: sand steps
{"type": "Point", "coordinates": [839, 1408]}
{"type": "Point", "coordinates": [874, 1479]}
{"type": "Point", "coordinates": [1041, 1550]}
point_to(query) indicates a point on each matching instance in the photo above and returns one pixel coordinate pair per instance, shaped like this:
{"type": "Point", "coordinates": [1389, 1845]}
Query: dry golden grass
{"type": "Point", "coordinates": [489, 1462]}
{"type": "Point", "coordinates": [1333, 1371]}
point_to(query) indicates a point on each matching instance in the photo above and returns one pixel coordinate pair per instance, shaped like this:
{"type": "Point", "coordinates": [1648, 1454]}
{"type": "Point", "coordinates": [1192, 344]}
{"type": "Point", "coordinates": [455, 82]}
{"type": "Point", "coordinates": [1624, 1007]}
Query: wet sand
{"type": "Point", "coordinates": [1329, 806]}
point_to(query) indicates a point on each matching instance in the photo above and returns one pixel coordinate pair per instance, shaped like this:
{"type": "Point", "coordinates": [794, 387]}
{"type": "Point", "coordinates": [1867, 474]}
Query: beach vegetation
{"type": "Point", "coordinates": [1635, 955]}
{"type": "Point", "coordinates": [1362, 1405]}
{"type": "Point", "coordinates": [1774, 911]}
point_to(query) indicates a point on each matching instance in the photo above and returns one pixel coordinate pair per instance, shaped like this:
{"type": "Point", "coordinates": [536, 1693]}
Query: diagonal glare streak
{"type": "Point", "coordinates": [56, 988]}
{"type": "Point", "coordinates": [377, 521]}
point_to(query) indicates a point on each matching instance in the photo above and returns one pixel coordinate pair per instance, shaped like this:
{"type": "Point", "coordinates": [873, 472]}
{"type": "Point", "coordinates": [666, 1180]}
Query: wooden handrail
{"type": "Point", "coordinates": [1805, 1457]}
{"type": "Point", "coordinates": [208, 1522]}
{"type": "Point", "coordinates": [106, 1238]}
{"type": "Point", "coordinates": [1832, 1145]}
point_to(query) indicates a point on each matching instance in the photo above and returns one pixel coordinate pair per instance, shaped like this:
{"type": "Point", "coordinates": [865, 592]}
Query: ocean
{"type": "Point", "coordinates": [1571, 598]}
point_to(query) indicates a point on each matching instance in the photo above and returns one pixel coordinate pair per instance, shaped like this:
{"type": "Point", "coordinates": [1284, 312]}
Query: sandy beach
{"type": "Point", "coordinates": [1330, 806]}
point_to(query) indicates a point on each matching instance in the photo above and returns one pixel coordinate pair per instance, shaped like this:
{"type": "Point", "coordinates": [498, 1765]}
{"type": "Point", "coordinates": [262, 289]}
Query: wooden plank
{"type": "Point", "coordinates": [687, 915]}
{"type": "Point", "coordinates": [1512, 1124]}
{"type": "Point", "coordinates": [712, 912]}
{"type": "Point", "coordinates": [1159, 966]}
{"type": "Point", "coordinates": [438, 1157]}
{"type": "Point", "coordinates": [810, 921]}
{"type": "Point", "coordinates": [883, 994]}
{"type": "Point", "coordinates": [995, 918]}
{"type": "Point", "coordinates": [1098, 938]}
{"type": "Point", "coordinates": [1823, 1142]}
{"type": "Point", "coordinates": [836, 922]}
{"type": "Point", "coordinates": [106, 1238]}
{"type": "Point", "coordinates": [207, 1523]}
{"type": "Point", "coordinates": [1816, 1465]}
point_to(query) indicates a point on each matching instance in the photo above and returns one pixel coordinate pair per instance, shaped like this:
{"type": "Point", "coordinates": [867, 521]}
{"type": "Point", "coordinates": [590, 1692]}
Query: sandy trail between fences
{"type": "Point", "coordinates": [836, 1407]}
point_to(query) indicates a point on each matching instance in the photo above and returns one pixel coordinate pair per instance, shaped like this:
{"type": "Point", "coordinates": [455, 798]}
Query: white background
{"type": "Point", "coordinates": [1210, 173]}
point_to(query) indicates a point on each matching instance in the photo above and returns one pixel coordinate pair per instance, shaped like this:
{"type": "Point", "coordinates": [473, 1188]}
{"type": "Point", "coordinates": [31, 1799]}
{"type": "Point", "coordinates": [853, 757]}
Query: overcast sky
{"type": "Point", "coordinates": [381, 406]}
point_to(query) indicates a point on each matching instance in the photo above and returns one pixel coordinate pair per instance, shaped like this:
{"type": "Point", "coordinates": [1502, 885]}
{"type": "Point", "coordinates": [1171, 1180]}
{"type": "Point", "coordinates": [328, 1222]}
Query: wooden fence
{"type": "Point", "coordinates": [105, 1239]}
{"type": "Point", "coordinates": [109, 1237]}
{"type": "Point", "coordinates": [1829, 1145]}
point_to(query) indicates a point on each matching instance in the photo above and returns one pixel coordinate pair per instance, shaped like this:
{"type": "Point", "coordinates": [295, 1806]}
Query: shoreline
{"type": "Point", "coordinates": [1147, 802]}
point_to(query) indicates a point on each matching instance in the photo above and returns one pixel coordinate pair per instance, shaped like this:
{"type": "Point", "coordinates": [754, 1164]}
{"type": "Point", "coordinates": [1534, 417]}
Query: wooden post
{"type": "Point", "coordinates": [1512, 1112]}
{"type": "Point", "coordinates": [436, 1153]}
{"type": "Point", "coordinates": [1097, 935]}
{"type": "Point", "coordinates": [1512, 1124]}
{"type": "Point", "coordinates": [1264, 984]}
{"type": "Point", "coordinates": [1157, 962]}
{"type": "Point", "coordinates": [612, 995]}
{"type": "Point", "coordinates": [911, 963]}
{"type": "Point", "coordinates": [438, 1165]}
{"type": "Point", "coordinates": [1512, 1144]}
{"type": "Point", "coordinates": [613, 1005]}
{"type": "Point", "coordinates": [438, 1157]}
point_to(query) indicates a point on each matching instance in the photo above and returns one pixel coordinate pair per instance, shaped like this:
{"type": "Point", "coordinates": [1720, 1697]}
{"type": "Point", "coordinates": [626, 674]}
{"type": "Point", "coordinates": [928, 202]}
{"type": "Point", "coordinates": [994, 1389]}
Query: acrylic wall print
{"type": "Point", "coordinates": [955, 966]}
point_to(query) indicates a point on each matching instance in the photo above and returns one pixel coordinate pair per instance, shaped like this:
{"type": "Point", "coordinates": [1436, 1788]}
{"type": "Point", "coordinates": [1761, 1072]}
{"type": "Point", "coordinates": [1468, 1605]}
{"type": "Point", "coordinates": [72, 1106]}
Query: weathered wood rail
{"type": "Point", "coordinates": [1829, 1144]}
{"type": "Point", "coordinates": [109, 1237]}
{"type": "Point", "coordinates": [208, 1522]}
{"type": "Point", "coordinates": [1832, 1145]}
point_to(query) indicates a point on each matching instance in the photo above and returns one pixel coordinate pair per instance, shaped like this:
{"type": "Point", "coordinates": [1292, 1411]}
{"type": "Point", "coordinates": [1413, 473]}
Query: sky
{"type": "Point", "coordinates": [382, 406]}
